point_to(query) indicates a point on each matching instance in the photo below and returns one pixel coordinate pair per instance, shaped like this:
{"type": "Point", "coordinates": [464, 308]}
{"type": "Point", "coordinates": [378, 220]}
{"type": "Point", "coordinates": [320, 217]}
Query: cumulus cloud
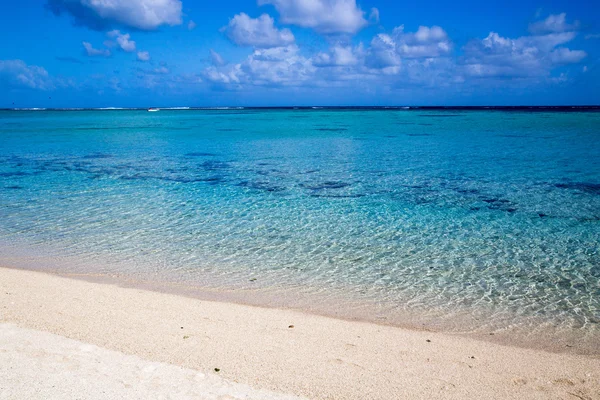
{"type": "Point", "coordinates": [401, 59]}
{"type": "Point", "coordinates": [553, 24]}
{"type": "Point", "coordinates": [382, 53]}
{"type": "Point", "coordinates": [15, 74]}
{"type": "Point", "coordinates": [104, 14]}
{"type": "Point", "coordinates": [278, 66]}
{"type": "Point", "coordinates": [413, 53]}
{"type": "Point", "coordinates": [92, 52]}
{"type": "Point", "coordinates": [427, 42]}
{"type": "Point", "coordinates": [537, 55]}
{"type": "Point", "coordinates": [396, 60]}
{"type": "Point", "coordinates": [338, 56]}
{"type": "Point", "coordinates": [324, 16]}
{"type": "Point", "coordinates": [191, 25]}
{"type": "Point", "coordinates": [123, 40]}
{"type": "Point", "coordinates": [223, 76]}
{"type": "Point", "coordinates": [143, 56]}
{"type": "Point", "coordinates": [287, 67]}
{"type": "Point", "coordinates": [257, 32]}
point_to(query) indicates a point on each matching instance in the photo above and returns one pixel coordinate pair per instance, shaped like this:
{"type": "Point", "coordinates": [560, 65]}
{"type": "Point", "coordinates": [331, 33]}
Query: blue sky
{"type": "Point", "coordinates": [100, 53]}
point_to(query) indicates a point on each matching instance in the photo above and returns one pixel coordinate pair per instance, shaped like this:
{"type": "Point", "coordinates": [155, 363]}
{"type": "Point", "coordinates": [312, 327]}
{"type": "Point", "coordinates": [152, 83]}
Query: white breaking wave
{"type": "Point", "coordinates": [221, 108]}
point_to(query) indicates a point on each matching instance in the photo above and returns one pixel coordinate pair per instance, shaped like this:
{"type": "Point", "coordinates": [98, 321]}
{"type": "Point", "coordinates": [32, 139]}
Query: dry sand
{"type": "Point", "coordinates": [276, 350]}
{"type": "Point", "coordinates": [40, 365]}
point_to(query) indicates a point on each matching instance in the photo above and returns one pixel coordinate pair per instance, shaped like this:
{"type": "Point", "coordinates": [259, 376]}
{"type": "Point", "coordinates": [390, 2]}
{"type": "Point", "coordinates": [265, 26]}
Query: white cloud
{"type": "Point", "coordinates": [278, 66]}
{"type": "Point", "coordinates": [286, 67]}
{"type": "Point", "coordinates": [17, 74]}
{"type": "Point", "coordinates": [553, 24]}
{"type": "Point", "coordinates": [497, 56]}
{"type": "Point", "coordinates": [143, 56]}
{"type": "Point", "coordinates": [546, 42]}
{"type": "Point", "coordinates": [257, 32]}
{"type": "Point", "coordinates": [91, 51]}
{"type": "Point", "coordinates": [401, 60]}
{"type": "Point", "coordinates": [426, 42]}
{"type": "Point", "coordinates": [216, 59]}
{"type": "Point", "coordinates": [191, 25]}
{"type": "Point", "coordinates": [224, 76]}
{"type": "Point", "coordinates": [338, 56]}
{"type": "Point", "coordinates": [593, 36]}
{"type": "Point", "coordinates": [565, 56]}
{"type": "Point", "coordinates": [383, 52]}
{"type": "Point", "coordinates": [389, 50]}
{"type": "Point", "coordinates": [123, 40]}
{"type": "Point", "coordinates": [324, 16]}
{"type": "Point", "coordinates": [415, 54]}
{"type": "Point", "coordinates": [103, 14]}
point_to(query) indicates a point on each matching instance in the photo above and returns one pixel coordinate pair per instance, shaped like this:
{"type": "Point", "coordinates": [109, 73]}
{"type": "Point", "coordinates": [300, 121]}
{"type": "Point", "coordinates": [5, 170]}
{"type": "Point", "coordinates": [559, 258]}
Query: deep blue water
{"type": "Point", "coordinates": [489, 213]}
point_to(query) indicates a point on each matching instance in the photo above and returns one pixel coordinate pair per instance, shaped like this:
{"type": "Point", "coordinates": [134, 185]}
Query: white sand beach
{"type": "Point", "coordinates": [41, 365]}
{"type": "Point", "coordinates": [66, 338]}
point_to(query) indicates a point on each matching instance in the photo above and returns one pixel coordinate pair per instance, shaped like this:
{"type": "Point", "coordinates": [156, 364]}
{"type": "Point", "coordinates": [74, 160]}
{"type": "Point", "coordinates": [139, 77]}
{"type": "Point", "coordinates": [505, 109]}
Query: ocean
{"type": "Point", "coordinates": [484, 222]}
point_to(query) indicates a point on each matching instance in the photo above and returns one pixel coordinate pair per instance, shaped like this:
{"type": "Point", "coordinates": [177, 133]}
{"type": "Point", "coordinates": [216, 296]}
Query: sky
{"type": "Point", "coordinates": [166, 53]}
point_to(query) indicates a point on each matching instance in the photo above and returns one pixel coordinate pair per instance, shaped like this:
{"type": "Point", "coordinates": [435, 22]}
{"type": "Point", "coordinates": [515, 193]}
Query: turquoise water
{"type": "Point", "coordinates": [490, 214]}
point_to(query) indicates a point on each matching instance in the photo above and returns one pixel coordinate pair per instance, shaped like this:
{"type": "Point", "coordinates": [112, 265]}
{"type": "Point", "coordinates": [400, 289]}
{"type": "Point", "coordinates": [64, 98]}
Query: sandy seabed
{"type": "Point", "coordinates": [63, 338]}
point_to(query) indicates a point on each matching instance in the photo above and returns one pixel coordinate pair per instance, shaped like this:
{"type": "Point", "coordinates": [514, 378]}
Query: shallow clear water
{"type": "Point", "coordinates": [488, 213]}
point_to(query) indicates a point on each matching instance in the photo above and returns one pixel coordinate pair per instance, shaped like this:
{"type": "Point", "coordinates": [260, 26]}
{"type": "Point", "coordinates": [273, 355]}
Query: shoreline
{"type": "Point", "coordinates": [537, 335]}
{"type": "Point", "coordinates": [288, 351]}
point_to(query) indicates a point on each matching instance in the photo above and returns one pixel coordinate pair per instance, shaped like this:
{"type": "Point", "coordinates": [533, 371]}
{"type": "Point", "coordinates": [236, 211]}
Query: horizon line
{"type": "Point", "coordinates": [313, 107]}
